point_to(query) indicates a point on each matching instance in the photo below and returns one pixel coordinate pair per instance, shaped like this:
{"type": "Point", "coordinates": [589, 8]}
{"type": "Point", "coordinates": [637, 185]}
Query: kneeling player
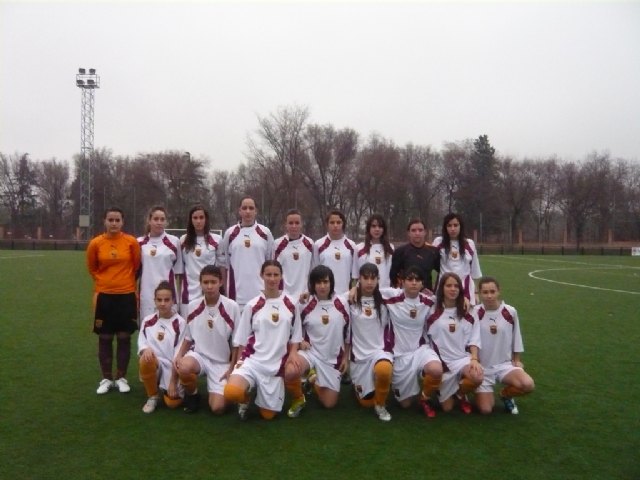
{"type": "Point", "coordinates": [325, 323]}
{"type": "Point", "coordinates": [269, 330]}
{"type": "Point", "coordinates": [161, 334]}
{"type": "Point", "coordinates": [413, 359]}
{"type": "Point", "coordinates": [206, 349]}
{"type": "Point", "coordinates": [501, 348]}
{"type": "Point", "coordinates": [455, 336]}
{"type": "Point", "coordinates": [371, 366]}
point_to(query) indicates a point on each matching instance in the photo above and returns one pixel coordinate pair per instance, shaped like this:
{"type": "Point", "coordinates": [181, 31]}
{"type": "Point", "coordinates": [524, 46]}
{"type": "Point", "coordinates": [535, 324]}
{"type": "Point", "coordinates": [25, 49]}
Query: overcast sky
{"type": "Point", "coordinates": [540, 78]}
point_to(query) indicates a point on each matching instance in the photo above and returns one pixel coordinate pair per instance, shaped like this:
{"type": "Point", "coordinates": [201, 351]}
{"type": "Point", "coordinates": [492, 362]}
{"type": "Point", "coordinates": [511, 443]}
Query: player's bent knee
{"type": "Point", "coordinates": [234, 393]}
{"type": "Point", "coordinates": [267, 414]}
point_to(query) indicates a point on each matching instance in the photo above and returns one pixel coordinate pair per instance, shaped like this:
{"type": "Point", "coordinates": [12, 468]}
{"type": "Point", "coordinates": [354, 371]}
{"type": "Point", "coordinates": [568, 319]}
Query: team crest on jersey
{"type": "Point", "coordinates": [368, 310]}
{"type": "Point", "coordinates": [275, 316]}
{"type": "Point", "coordinates": [325, 319]}
{"type": "Point", "coordinates": [114, 252]}
{"type": "Point", "coordinates": [153, 251]}
{"type": "Point", "coordinates": [198, 251]}
{"type": "Point", "coordinates": [452, 327]}
{"type": "Point", "coordinates": [210, 322]}
{"type": "Point", "coordinates": [337, 254]}
{"type": "Point", "coordinates": [296, 255]}
{"type": "Point", "coordinates": [413, 312]}
{"type": "Point", "coordinates": [493, 328]}
{"type": "Point", "coordinates": [160, 336]}
{"type": "Point", "coordinates": [99, 323]}
{"type": "Point", "coordinates": [378, 260]}
{"type": "Point", "coordinates": [247, 241]}
{"type": "Point", "coordinates": [454, 254]}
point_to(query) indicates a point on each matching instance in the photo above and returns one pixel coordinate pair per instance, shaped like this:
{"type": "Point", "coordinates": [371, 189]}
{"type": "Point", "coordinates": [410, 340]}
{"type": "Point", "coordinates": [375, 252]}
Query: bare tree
{"type": "Point", "coordinates": [519, 188]}
{"type": "Point", "coordinates": [53, 191]}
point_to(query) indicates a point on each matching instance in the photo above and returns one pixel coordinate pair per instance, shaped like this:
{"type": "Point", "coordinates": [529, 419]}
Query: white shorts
{"type": "Point", "coordinates": [163, 373]}
{"type": "Point", "coordinates": [451, 379]}
{"type": "Point", "coordinates": [407, 370]}
{"type": "Point", "coordinates": [362, 373]}
{"type": "Point", "coordinates": [212, 370]}
{"type": "Point", "coordinates": [327, 375]}
{"type": "Point", "coordinates": [495, 374]}
{"type": "Point", "coordinates": [269, 388]}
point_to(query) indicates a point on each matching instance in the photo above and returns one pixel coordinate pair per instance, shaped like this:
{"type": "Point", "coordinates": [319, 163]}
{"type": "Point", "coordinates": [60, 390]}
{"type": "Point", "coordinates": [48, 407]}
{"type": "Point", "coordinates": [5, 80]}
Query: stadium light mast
{"type": "Point", "coordinates": [87, 82]}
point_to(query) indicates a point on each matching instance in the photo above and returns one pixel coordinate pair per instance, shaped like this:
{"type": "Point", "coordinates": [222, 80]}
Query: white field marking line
{"type": "Point", "coordinates": [531, 274]}
{"type": "Point", "coordinates": [22, 256]}
{"type": "Point", "coordinates": [537, 260]}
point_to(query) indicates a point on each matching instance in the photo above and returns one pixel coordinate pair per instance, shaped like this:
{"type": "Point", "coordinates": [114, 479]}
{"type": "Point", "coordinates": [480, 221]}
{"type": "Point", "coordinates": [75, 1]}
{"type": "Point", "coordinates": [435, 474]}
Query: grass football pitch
{"type": "Point", "coordinates": [581, 325]}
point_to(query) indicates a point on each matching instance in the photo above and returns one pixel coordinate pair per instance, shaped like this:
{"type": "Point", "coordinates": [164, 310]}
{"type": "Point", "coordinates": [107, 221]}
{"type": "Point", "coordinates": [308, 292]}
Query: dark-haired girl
{"type": "Point", "coordinates": [375, 249]}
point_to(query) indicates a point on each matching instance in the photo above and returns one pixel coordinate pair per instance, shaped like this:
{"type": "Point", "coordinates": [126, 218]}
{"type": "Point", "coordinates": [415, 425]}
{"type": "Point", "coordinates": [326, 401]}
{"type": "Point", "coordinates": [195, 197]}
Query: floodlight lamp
{"type": "Point", "coordinates": [90, 81]}
{"type": "Point", "coordinates": [79, 82]}
{"type": "Point", "coordinates": [92, 71]}
{"type": "Point", "coordinates": [81, 71]}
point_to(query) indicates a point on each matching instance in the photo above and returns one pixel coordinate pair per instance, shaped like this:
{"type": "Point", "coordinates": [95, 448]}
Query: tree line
{"type": "Point", "coordinates": [294, 163]}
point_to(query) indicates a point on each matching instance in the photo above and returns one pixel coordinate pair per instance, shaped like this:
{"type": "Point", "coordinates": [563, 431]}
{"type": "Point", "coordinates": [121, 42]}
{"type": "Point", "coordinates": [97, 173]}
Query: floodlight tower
{"type": "Point", "coordinates": [87, 82]}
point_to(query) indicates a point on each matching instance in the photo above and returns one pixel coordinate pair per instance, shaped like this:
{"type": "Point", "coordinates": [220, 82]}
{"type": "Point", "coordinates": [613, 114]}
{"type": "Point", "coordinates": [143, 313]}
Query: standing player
{"type": "Point", "coordinates": [413, 359]}
{"type": "Point", "coordinates": [206, 349]}
{"type": "Point", "coordinates": [294, 251]}
{"type": "Point", "coordinates": [501, 350]}
{"type": "Point", "coordinates": [113, 258]}
{"type": "Point", "coordinates": [325, 323]}
{"type": "Point", "coordinates": [375, 249]}
{"type": "Point", "coordinates": [161, 259]}
{"type": "Point", "coordinates": [455, 336]}
{"type": "Point", "coordinates": [269, 330]}
{"type": "Point", "coordinates": [371, 365]}
{"type": "Point", "coordinates": [418, 253]}
{"type": "Point", "coordinates": [458, 254]}
{"type": "Point", "coordinates": [200, 247]}
{"type": "Point", "coordinates": [335, 250]}
{"type": "Point", "coordinates": [246, 246]}
{"type": "Point", "coordinates": [160, 337]}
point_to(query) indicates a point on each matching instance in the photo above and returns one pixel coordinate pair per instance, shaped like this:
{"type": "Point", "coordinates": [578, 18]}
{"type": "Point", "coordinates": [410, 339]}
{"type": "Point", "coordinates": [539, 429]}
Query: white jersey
{"type": "Point", "coordinates": [467, 267]}
{"type": "Point", "coordinates": [162, 335]}
{"type": "Point", "coordinates": [296, 257]}
{"type": "Point", "coordinates": [408, 316]}
{"type": "Point", "coordinates": [325, 325]}
{"type": "Point", "coordinates": [499, 334]}
{"type": "Point", "coordinates": [266, 328]}
{"type": "Point", "coordinates": [450, 335]}
{"type": "Point", "coordinates": [246, 249]}
{"type": "Point", "coordinates": [367, 329]}
{"type": "Point", "coordinates": [207, 251]}
{"type": "Point", "coordinates": [211, 328]}
{"type": "Point", "coordinates": [376, 256]}
{"type": "Point", "coordinates": [338, 256]}
{"type": "Point", "coordinates": [161, 260]}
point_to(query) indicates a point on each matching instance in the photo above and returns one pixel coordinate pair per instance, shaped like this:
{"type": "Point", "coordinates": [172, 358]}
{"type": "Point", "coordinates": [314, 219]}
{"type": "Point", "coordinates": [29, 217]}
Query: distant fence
{"type": "Point", "coordinates": [487, 249]}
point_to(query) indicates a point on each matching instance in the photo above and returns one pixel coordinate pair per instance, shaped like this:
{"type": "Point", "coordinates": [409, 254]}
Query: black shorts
{"type": "Point", "coordinates": [116, 312]}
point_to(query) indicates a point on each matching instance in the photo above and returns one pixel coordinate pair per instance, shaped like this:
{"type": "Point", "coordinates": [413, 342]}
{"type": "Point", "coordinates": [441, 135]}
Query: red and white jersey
{"type": "Point", "coordinates": [207, 251]}
{"type": "Point", "coordinates": [296, 257]}
{"type": "Point", "coordinates": [267, 326]}
{"type": "Point", "coordinates": [499, 333]}
{"type": "Point", "coordinates": [246, 249]}
{"type": "Point", "coordinates": [161, 260]}
{"type": "Point", "coordinates": [325, 325]}
{"type": "Point", "coordinates": [211, 328]}
{"type": "Point", "coordinates": [467, 267]}
{"type": "Point", "coordinates": [450, 335]}
{"type": "Point", "coordinates": [405, 332]}
{"type": "Point", "coordinates": [367, 329]}
{"type": "Point", "coordinates": [162, 335]}
{"type": "Point", "coordinates": [338, 256]}
{"type": "Point", "coordinates": [376, 256]}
